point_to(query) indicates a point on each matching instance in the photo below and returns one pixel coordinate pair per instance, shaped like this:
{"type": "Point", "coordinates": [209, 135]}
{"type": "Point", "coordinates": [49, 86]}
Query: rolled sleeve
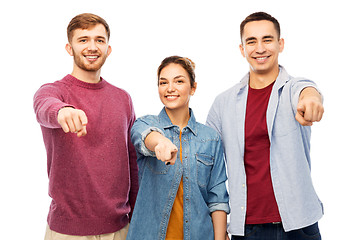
{"type": "Point", "coordinates": [143, 149]}
{"type": "Point", "coordinates": [219, 207]}
{"type": "Point", "coordinates": [142, 127]}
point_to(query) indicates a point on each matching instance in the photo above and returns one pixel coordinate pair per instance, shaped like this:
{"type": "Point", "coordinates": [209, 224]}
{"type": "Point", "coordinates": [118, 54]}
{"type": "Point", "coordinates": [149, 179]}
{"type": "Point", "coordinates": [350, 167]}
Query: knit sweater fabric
{"type": "Point", "coordinates": [93, 180]}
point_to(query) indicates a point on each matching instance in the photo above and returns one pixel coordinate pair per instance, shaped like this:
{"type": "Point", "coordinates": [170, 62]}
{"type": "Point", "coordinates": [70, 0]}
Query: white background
{"type": "Point", "coordinates": [321, 43]}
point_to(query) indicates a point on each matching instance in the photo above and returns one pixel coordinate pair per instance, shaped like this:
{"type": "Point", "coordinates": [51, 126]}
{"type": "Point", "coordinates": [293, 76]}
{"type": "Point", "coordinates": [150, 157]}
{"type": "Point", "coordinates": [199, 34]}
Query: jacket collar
{"type": "Point", "coordinates": [166, 122]}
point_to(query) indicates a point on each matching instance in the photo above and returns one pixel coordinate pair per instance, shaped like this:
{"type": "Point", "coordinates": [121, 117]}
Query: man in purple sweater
{"type": "Point", "coordinates": [86, 122]}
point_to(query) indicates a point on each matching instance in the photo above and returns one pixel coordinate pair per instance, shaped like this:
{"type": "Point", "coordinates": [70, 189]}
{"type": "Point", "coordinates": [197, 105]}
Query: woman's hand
{"type": "Point", "coordinates": [164, 149]}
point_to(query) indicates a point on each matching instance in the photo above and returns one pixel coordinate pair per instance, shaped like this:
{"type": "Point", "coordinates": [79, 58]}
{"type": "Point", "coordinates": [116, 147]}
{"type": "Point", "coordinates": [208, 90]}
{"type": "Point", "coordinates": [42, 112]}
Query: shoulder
{"type": "Point", "coordinates": [231, 92]}
{"type": "Point", "coordinates": [57, 87]}
{"type": "Point", "coordinates": [149, 119]}
{"type": "Point", "coordinates": [290, 81]}
{"type": "Point", "coordinates": [121, 92]}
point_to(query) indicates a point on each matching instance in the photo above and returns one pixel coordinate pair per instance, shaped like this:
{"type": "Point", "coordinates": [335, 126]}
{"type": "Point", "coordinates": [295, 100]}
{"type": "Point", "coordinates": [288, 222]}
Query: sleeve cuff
{"type": "Point", "coordinates": [219, 207]}
{"type": "Point", "coordinates": [144, 150]}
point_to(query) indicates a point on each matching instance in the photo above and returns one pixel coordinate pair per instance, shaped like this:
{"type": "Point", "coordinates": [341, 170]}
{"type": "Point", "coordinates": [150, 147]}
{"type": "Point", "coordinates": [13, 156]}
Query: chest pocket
{"type": "Point", "coordinates": [204, 164]}
{"type": "Point", "coordinates": [284, 122]}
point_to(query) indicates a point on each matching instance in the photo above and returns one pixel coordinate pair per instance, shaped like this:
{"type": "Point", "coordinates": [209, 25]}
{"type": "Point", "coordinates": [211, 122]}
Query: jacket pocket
{"type": "Point", "coordinates": [204, 164]}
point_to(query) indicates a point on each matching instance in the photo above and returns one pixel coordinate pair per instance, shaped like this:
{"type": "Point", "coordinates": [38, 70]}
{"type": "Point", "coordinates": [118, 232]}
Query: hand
{"type": "Point", "coordinates": [166, 151]}
{"type": "Point", "coordinates": [73, 120]}
{"type": "Point", "coordinates": [310, 108]}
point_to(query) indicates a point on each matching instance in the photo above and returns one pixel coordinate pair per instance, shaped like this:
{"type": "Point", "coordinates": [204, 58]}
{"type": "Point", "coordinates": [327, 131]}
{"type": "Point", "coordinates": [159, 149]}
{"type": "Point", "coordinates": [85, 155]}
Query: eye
{"type": "Point", "coordinates": [250, 43]}
{"type": "Point", "coordinates": [162, 83]}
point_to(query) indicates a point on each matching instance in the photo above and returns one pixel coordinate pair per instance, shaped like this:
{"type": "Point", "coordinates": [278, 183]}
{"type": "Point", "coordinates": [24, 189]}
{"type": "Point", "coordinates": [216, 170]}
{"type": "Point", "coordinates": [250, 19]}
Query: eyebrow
{"type": "Point", "coordinates": [268, 36]}
{"type": "Point", "coordinates": [96, 37]}
{"type": "Point", "coordinates": [177, 77]}
{"type": "Point", "coordinates": [250, 39]}
{"type": "Point", "coordinates": [264, 37]}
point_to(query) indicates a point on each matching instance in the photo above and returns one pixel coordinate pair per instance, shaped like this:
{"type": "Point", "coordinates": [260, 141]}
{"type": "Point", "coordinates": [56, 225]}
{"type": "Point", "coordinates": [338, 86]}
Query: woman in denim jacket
{"type": "Point", "coordinates": [182, 176]}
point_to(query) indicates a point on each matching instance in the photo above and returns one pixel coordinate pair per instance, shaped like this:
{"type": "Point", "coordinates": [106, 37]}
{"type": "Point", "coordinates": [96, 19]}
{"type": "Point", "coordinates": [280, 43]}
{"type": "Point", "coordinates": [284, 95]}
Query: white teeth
{"type": "Point", "coordinates": [92, 57]}
{"type": "Point", "coordinates": [262, 58]}
{"type": "Point", "coordinates": [171, 97]}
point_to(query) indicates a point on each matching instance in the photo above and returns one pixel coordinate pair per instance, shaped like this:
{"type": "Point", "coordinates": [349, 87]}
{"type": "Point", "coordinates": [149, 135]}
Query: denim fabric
{"type": "Point", "coordinates": [272, 231]}
{"type": "Point", "coordinates": [202, 170]}
{"type": "Point", "coordinates": [290, 165]}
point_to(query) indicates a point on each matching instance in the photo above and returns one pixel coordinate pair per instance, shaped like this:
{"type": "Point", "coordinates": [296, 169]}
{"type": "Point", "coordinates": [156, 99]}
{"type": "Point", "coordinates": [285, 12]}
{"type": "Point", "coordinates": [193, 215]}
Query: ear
{"type": "Point", "coordinates": [242, 50]}
{"type": "Point", "coordinates": [109, 50]}
{"type": "Point", "coordinates": [193, 89]}
{"type": "Point", "coordinates": [69, 49]}
{"type": "Point", "coordinates": [281, 43]}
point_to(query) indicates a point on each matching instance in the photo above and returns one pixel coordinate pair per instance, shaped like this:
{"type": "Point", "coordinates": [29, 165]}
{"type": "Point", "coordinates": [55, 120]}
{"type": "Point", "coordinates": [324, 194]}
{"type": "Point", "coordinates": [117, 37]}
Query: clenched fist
{"type": "Point", "coordinates": [73, 120]}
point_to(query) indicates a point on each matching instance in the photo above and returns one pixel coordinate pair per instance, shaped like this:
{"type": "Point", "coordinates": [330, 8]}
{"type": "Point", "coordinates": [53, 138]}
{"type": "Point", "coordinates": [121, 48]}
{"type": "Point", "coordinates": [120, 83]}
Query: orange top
{"type": "Point", "coordinates": [175, 226]}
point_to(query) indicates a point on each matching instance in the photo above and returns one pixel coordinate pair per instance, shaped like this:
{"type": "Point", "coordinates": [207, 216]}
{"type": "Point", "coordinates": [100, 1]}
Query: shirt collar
{"type": "Point", "coordinates": [281, 79]}
{"type": "Point", "coordinates": [166, 122]}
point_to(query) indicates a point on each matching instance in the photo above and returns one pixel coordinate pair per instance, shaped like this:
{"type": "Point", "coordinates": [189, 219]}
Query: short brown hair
{"type": "Point", "coordinates": [259, 16]}
{"type": "Point", "coordinates": [186, 63]}
{"type": "Point", "coordinates": [86, 21]}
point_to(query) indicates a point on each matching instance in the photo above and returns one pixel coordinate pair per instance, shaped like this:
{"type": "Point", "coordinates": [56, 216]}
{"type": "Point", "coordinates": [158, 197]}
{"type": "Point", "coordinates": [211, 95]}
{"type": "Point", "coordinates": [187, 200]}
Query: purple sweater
{"type": "Point", "coordinates": [93, 180]}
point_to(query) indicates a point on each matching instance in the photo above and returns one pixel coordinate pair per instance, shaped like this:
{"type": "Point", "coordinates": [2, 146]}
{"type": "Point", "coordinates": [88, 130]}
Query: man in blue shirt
{"type": "Point", "coordinates": [267, 141]}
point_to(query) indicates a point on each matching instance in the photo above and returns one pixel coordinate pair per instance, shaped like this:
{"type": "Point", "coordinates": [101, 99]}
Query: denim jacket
{"type": "Point", "coordinates": [203, 172]}
{"type": "Point", "coordinates": [298, 203]}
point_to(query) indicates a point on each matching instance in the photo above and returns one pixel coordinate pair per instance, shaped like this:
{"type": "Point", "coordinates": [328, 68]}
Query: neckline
{"type": "Point", "coordinates": [83, 84]}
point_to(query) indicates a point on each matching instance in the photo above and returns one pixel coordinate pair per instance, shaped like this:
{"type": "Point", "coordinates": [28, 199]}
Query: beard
{"type": "Point", "coordinates": [83, 64]}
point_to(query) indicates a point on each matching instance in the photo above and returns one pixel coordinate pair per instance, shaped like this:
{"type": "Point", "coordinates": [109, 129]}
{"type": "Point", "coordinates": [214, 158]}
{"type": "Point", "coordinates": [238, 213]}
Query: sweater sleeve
{"type": "Point", "coordinates": [48, 100]}
{"type": "Point", "coordinates": [134, 181]}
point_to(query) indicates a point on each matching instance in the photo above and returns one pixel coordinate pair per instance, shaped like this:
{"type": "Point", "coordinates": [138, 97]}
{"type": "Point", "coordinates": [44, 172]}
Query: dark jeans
{"type": "Point", "coordinates": [275, 231]}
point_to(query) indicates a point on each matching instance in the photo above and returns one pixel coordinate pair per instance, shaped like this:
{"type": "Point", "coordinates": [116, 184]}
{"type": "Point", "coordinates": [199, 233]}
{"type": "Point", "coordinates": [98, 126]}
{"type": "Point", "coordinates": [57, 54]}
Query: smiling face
{"type": "Point", "coordinates": [261, 47]}
{"type": "Point", "coordinates": [174, 88]}
{"type": "Point", "coordinates": [90, 48]}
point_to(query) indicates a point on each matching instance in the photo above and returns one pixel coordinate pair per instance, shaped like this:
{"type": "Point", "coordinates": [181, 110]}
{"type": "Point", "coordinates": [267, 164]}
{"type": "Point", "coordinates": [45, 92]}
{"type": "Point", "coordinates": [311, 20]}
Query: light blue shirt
{"type": "Point", "coordinates": [298, 203]}
{"type": "Point", "coordinates": [202, 170]}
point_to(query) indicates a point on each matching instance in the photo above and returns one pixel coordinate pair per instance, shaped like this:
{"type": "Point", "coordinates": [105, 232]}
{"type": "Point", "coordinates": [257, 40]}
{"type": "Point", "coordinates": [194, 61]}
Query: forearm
{"type": "Point", "coordinates": [219, 223]}
{"type": "Point", "coordinates": [46, 106]}
{"type": "Point", "coordinates": [153, 139]}
{"type": "Point", "coordinates": [310, 93]}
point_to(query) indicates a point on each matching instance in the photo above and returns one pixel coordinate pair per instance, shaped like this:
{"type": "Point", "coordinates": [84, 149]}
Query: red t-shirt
{"type": "Point", "coordinates": [261, 203]}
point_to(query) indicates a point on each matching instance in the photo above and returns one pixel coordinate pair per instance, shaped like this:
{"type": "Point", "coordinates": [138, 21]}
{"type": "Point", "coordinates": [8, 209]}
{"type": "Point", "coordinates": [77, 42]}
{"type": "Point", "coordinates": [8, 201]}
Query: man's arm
{"type": "Point", "coordinates": [52, 112]}
{"type": "Point", "coordinates": [310, 108]}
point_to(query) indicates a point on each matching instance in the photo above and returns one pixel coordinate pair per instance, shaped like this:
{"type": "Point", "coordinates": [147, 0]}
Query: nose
{"type": "Point", "coordinates": [260, 47]}
{"type": "Point", "coordinates": [171, 87]}
{"type": "Point", "coordinates": [92, 46]}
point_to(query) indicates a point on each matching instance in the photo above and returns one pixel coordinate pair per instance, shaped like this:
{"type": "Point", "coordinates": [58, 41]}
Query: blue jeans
{"type": "Point", "coordinates": [275, 231]}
